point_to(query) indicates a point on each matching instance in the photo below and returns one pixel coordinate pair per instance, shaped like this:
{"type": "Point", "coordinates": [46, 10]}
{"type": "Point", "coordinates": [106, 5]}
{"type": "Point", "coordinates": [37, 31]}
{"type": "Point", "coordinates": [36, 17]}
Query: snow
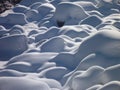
{"type": "Point", "coordinates": [73, 13]}
{"type": "Point", "coordinates": [105, 42]}
{"type": "Point", "coordinates": [12, 73]}
{"type": "Point", "coordinates": [88, 5]}
{"type": "Point", "coordinates": [60, 45]}
{"type": "Point", "coordinates": [10, 20]}
{"type": "Point", "coordinates": [110, 86]}
{"type": "Point", "coordinates": [30, 2]}
{"type": "Point", "coordinates": [87, 78]}
{"type": "Point", "coordinates": [12, 46]}
{"type": "Point", "coordinates": [92, 20]}
{"type": "Point", "coordinates": [23, 84]}
{"type": "Point", "coordinates": [20, 9]}
{"type": "Point", "coordinates": [48, 45]}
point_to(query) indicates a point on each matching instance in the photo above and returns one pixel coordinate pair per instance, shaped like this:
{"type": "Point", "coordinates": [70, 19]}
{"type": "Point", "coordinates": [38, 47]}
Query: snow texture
{"type": "Point", "coordinates": [60, 45]}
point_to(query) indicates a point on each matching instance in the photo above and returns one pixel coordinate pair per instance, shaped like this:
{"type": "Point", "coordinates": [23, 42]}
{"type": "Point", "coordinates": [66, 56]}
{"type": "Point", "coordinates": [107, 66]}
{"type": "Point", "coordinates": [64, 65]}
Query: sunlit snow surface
{"type": "Point", "coordinates": [60, 45]}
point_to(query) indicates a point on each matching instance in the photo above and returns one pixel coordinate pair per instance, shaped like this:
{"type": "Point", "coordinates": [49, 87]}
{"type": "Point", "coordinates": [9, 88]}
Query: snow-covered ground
{"type": "Point", "coordinates": [60, 45]}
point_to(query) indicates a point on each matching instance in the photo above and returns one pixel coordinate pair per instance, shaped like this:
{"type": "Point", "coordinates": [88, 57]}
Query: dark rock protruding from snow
{"type": "Point", "coordinates": [60, 23]}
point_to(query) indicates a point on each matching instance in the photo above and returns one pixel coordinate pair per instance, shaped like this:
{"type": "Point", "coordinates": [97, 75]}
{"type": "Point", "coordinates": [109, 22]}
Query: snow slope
{"type": "Point", "coordinates": [60, 45]}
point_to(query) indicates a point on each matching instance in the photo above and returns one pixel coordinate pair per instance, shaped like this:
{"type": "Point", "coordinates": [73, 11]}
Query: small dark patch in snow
{"type": "Point", "coordinates": [60, 23]}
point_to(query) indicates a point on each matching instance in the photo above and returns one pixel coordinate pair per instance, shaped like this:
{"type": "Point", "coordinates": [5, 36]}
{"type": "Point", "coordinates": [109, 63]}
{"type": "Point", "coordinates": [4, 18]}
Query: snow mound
{"type": "Point", "coordinates": [87, 5]}
{"type": "Point", "coordinates": [20, 9]}
{"type": "Point", "coordinates": [46, 8]}
{"type": "Point", "coordinates": [11, 73]}
{"type": "Point", "coordinates": [114, 85]}
{"type": "Point", "coordinates": [10, 20]}
{"type": "Point", "coordinates": [92, 20]}
{"type": "Point", "coordinates": [97, 59]}
{"type": "Point", "coordinates": [30, 2]}
{"type": "Point", "coordinates": [74, 31]}
{"type": "Point", "coordinates": [71, 11]}
{"type": "Point", "coordinates": [102, 78]}
{"type": "Point", "coordinates": [33, 58]}
{"type": "Point", "coordinates": [51, 32]}
{"type": "Point", "coordinates": [12, 46]}
{"type": "Point", "coordinates": [57, 42]}
{"type": "Point", "coordinates": [22, 84]}
{"type": "Point", "coordinates": [105, 42]}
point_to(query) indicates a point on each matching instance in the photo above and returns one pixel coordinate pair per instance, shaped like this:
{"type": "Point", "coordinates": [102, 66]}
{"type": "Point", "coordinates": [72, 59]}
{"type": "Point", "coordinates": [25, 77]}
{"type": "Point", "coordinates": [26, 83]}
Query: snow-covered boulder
{"type": "Point", "coordinates": [15, 83]}
{"type": "Point", "coordinates": [92, 20]}
{"type": "Point", "coordinates": [32, 15]}
{"type": "Point", "coordinates": [73, 13]}
{"type": "Point", "coordinates": [20, 8]}
{"type": "Point", "coordinates": [11, 73]}
{"type": "Point", "coordinates": [54, 73]}
{"type": "Point", "coordinates": [12, 45]}
{"type": "Point", "coordinates": [87, 5]}
{"type": "Point", "coordinates": [74, 31]}
{"type": "Point", "coordinates": [51, 32]}
{"type": "Point", "coordinates": [16, 29]}
{"type": "Point", "coordinates": [45, 9]}
{"type": "Point", "coordinates": [35, 5]}
{"type": "Point", "coordinates": [85, 79]}
{"type": "Point", "coordinates": [30, 2]}
{"type": "Point", "coordinates": [114, 85]}
{"type": "Point", "coordinates": [33, 58]}
{"type": "Point", "coordinates": [13, 19]}
{"type": "Point", "coordinates": [97, 59]}
{"type": "Point", "coordinates": [105, 42]}
{"type": "Point", "coordinates": [56, 44]}
{"type": "Point", "coordinates": [111, 74]}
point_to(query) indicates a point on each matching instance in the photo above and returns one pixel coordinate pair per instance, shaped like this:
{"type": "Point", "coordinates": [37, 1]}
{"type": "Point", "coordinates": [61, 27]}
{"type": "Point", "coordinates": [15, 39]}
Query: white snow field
{"type": "Point", "coordinates": [60, 45]}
